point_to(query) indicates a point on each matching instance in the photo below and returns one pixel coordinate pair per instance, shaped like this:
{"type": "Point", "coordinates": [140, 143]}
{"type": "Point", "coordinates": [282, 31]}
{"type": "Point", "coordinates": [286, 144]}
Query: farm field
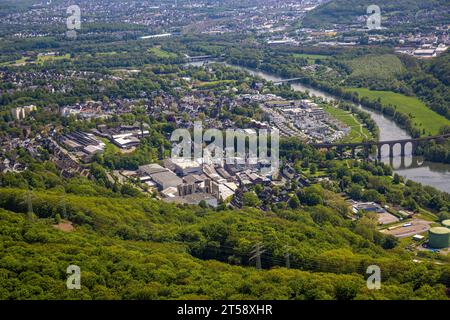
{"type": "Point", "coordinates": [425, 119]}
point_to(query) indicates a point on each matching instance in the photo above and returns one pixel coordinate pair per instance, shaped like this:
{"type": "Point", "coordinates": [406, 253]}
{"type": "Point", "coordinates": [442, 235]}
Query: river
{"type": "Point", "coordinates": [411, 167]}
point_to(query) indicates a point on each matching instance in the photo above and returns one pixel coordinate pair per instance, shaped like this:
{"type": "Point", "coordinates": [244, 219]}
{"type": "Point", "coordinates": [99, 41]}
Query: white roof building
{"type": "Point", "coordinates": [185, 167]}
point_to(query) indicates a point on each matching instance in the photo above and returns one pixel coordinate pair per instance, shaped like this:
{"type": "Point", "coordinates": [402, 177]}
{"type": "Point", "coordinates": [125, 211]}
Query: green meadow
{"type": "Point", "coordinates": [161, 53]}
{"type": "Point", "coordinates": [310, 57]}
{"type": "Point", "coordinates": [18, 62]}
{"type": "Point", "coordinates": [423, 117]}
{"type": "Point", "coordinates": [43, 59]}
{"type": "Point", "coordinates": [358, 131]}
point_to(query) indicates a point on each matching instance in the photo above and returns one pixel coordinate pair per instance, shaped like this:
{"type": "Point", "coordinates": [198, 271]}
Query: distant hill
{"type": "Point", "coordinates": [339, 12]}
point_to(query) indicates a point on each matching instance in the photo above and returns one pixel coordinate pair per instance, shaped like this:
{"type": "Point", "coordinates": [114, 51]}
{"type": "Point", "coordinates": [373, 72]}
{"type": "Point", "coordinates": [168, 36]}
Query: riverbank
{"type": "Point", "coordinates": [403, 117]}
{"type": "Point", "coordinates": [423, 118]}
{"type": "Point", "coordinates": [411, 167]}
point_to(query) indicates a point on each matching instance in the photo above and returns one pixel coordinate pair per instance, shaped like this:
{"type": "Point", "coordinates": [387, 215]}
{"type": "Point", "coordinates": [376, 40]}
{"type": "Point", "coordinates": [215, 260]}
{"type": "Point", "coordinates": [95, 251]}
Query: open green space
{"type": "Point", "coordinates": [425, 119]}
{"type": "Point", "coordinates": [110, 149]}
{"type": "Point", "coordinates": [162, 53]}
{"type": "Point", "coordinates": [310, 57]}
{"type": "Point", "coordinates": [39, 60]}
{"type": "Point", "coordinates": [18, 62]}
{"type": "Point", "coordinates": [384, 66]}
{"type": "Point", "coordinates": [45, 58]}
{"type": "Point", "coordinates": [358, 131]}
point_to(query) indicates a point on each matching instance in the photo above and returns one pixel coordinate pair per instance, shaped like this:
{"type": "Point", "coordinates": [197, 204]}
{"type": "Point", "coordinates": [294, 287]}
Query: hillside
{"type": "Point", "coordinates": [136, 249]}
{"type": "Point", "coordinates": [440, 68]}
{"type": "Point", "coordinates": [344, 12]}
{"type": "Point", "coordinates": [288, 193]}
{"type": "Point", "coordinates": [115, 267]}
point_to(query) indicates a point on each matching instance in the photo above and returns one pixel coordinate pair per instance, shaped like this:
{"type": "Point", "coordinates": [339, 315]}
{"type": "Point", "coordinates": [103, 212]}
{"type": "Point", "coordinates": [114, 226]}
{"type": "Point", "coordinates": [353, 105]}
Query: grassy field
{"type": "Point", "coordinates": [385, 66]}
{"type": "Point", "coordinates": [43, 59]}
{"type": "Point", "coordinates": [310, 57]}
{"type": "Point", "coordinates": [110, 53]}
{"type": "Point", "coordinates": [358, 131]}
{"type": "Point", "coordinates": [423, 117]}
{"type": "Point", "coordinates": [39, 60]}
{"type": "Point", "coordinates": [110, 149]}
{"type": "Point", "coordinates": [19, 62]}
{"type": "Point", "coordinates": [161, 53]}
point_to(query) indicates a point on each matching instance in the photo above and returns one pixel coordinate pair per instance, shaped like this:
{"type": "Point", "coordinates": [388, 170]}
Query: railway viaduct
{"type": "Point", "coordinates": [340, 147]}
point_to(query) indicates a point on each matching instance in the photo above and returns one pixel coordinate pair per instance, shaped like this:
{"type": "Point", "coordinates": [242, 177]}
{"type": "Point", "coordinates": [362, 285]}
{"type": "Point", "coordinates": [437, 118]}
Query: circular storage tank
{"type": "Point", "coordinates": [439, 238]}
{"type": "Point", "coordinates": [446, 223]}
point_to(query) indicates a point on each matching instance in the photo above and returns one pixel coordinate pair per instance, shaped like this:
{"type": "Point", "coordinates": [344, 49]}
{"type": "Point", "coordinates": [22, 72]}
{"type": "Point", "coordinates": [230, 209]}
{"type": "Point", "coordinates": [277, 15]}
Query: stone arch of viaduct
{"type": "Point", "coordinates": [368, 145]}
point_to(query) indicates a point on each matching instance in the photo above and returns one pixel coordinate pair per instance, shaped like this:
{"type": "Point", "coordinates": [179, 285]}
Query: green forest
{"type": "Point", "coordinates": [130, 246]}
{"type": "Point", "coordinates": [83, 201]}
{"type": "Point", "coordinates": [140, 249]}
{"type": "Point", "coordinates": [346, 12]}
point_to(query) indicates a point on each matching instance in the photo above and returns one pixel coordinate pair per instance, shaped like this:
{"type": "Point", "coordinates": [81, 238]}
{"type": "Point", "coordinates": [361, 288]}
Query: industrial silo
{"type": "Point", "coordinates": [439, 238]}
{"type": "Point", "coordinates": [446, 223]}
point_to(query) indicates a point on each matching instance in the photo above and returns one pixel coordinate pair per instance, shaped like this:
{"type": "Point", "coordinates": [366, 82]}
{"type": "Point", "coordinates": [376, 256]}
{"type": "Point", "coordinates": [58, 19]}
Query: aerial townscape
{"type": "Point", "coordinates": [224, 150]}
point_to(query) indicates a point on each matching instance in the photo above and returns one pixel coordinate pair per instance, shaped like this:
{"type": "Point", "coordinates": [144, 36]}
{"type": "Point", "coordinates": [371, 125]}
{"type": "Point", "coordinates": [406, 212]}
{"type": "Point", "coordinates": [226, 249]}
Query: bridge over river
{"type": "Point", "coordinates": [411, 167]}
{"type": "Point", "coordinates": [286, 80]}
{"type": "Point", "coordinates": [340, 147]}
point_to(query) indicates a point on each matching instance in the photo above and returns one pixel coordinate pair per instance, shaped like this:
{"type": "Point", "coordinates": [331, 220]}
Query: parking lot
{"type": "Point", "coordinates": [417, 226]}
